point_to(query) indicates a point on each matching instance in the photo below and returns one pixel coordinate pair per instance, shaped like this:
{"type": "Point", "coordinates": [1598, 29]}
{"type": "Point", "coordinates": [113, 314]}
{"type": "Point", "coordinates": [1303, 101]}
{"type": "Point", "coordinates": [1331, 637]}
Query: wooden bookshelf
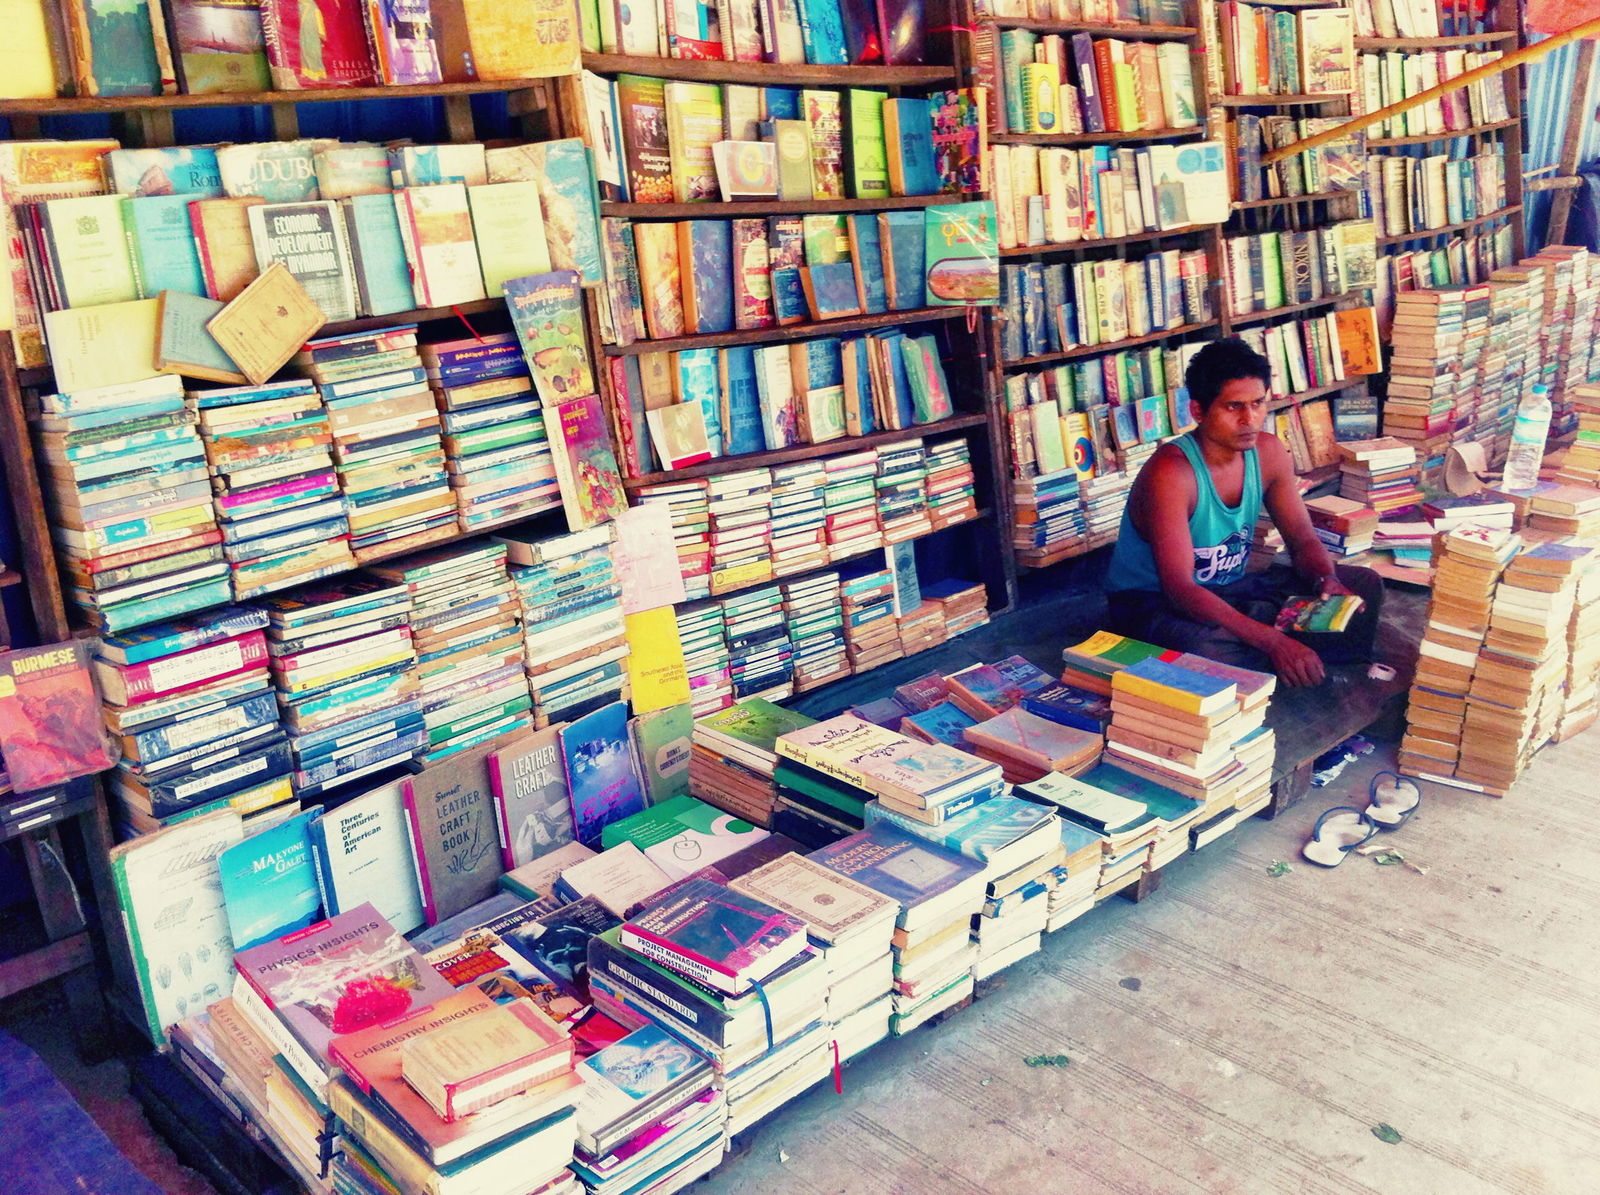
{"type": "Point", "coordinates": [1245, 205]}
{"type": "Point", "coordinates": [1122, 30]}
{"type": "Point", "coordinates": [1094, 138]}
{"type": "Point", "coordinates": [82, 105]}
{"type": "Point", "coordinates": [780, 333]}
{"type": "Point", "coordinates": [771, 74]}
{"type": "Point", "coordinates": [1262, 317]}
{"type": "Point", "coordinates": [1489, 38]}
{"type": "Point", "coordinates": [1431, 138]}
{"type": "Point", "coordinates": [713, 210]}
{"type": "Point", "coordinates": [808, 452]}
{"type": "Point", "coordinates": [1277, 101]}
{"type": "Point", "coordinates": [1133, 238]}
{"type": "Point", "coordinates": [1311, 395]}
{"type": "Point", "coordinates": [1080, 545]}
{"type": "Point", "coordinates": [1442, 230]}
{"type": "Point", "coordinates": [1113, 346]}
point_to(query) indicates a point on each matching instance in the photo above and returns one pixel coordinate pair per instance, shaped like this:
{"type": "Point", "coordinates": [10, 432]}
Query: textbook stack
{"type": "Point", "coordinates": [733, 757]}
{"type": "Point", "coordinates": [494, 438]}
{"type": "Point", "coordinates": [277, 496]}
{"type": "Point", "coordinates": [852, 928]}
{"type": "Point", "coordinates": [1467, 563]}
{"type": "Point", "coordinates": [573, 635]}
{"type": "Point", "coordinates": [1121, 828]}
{"type": "Point", "coordinates": [705, 656]}
{"type": "Point", "coordinates": [760, 657]}
{"type": "Point", "coordinates": [1517, 310]}
{"type": "Point", "coordinates": [902, 499]}
{"type": "Point", "coordinates": [469, 649]}
{"type": "Point", "coordinates": [385, 439]}
{"type": "Point", "coordinates": [872, 637]}
{"type": "Point", "coordinates": [851, 499]}
{"type": "Point", "coordinates": [1580, 462]}
{"type": "Point", "coordinates": [799, 518]}
{"type": "Point", "coordinates": [1344, 526]}
{"type": "Point", "coordinates": [1075, 877]}
{"type": "Point", "coordinates": [345, 673]}
{"type": "Point", "coordinates": [739, 509]}
{"type": "Point", "coordinates": [689, 502]}
{"type": "Point", "coordinates": [938, 892]}
{"type": "Point", "coordinates": [965, 604]}
{"type": "Point", "coordinates": [1049, 511]}
{"type": "Point", "coordinates": [130, 507]}
{"type": "Point", "coordinates": [1382, 474]}
{"type": "Point", "coordinates": [921, 628]}
{"type": "Point", "coordinates": [951, 485]}
{"type": "Point", "coordinates": [813, 609]}
{"type": "Point", "coordinates": [190, 702]}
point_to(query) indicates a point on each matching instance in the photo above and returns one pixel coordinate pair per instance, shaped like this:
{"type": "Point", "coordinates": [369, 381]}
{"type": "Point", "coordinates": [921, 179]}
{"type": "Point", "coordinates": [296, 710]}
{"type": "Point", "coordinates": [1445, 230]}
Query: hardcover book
{"type": "Point", "coordinates": [661, 751]}
{"type": "Point", "coordinates": [694, 125]}
{"type": "Point", "coordinates": [601, 779]}
{"type": "Point", "coordinates": [277, 171]}
{"type": "Point", "coordinates": [363, 855]}
{"type": "Point", "coordinates": [50, 728]}
{"type": "Point", "coordinates": [533, 810]}
{"type": "Point", "coordinates": [185, 345]}
{"type": "Point", "coordinates": [450, 808]}
{"type": "Point", "coordinates": [222, 236]}
{"type": "Point", "coordinates": [162, 244]}
{"type": "Point", "coordinates": [825, 117]}
{"type": "Point", "coordinates": [647, 149]}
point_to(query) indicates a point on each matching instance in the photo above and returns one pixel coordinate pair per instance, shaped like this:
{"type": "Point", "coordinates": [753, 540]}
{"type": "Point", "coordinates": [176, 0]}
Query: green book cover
{"type": "Point", "coordinates": [962, 256]}
{"type": "Point", "coordinates": [682, 835]}
{"type": "Point", "coordinates": [827, 239]}
{"type": "Point", "coordinates": [661, 748]}
{"type": "Point", "coordinates": [1272, 269]}
{"type": "Point", "coordinates": [869, 162]}
{"type": "Point", "coordinates": [756, 722]}
{"type": "Point", "coordinates": [547, 312]}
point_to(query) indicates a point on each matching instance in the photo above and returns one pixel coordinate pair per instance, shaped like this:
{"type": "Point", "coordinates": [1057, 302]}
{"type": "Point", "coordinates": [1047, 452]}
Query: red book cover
{"type": "Point", "coordinates": [135, 684]}
{"type": "Point", "coordinates": [317, 43]}
{"type": "Point", "coordinates": [50, 727]}
{"type": "Point", "coordinates": [586, 468]}
{"type": "Point", "coordinates": [715, 935]}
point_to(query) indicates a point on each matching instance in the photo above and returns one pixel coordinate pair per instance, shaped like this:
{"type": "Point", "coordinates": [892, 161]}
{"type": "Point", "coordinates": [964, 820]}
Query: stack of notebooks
{"type": "Point", "coordinates": [573, 635]}
{"type": "Point", "coordinates": [705, 656]}
{"type": "Point", "coordinates": [851, 500]}
{"type": "Point", "coordinates": [189, 700]}
{"type": "Point", "coordinates": [345, 673]}
{"type": "Point", "coordinates": [951, 485]}
{"type": "Point", "coordinates": [799, 518]}
{"type": "Point", "coordinates": [733, 757]}
{"type": "Point", "coordinates": [872, 636]}
{"type": "Point", "coordinates": [650, 1113]}
{"type": "Point", "coordinates": [385, 439]}
{"type": "Point", "coordinates": [760, 657]}
{"type": "Point", "coordinates": [494, 438]}
{"type": "Point", "coordinates": [901, 491]}
{"type": "Point", "coordinates": [130, 505]}
{"type": "Point", "coordinates": [277, 496]}
{"type": "Point", "coordinates": [739, 508]}
{"type": "Point", "coordinates": [852, 928]}
{"type": "Point", "coordinates": [464, 629]}
{"type": "Point", "coordinates": [965, 604]}
{"type": "Point", "coordinates": [1049, 510]}
{"type": "Point", "coordinates": [937, 892]}
{"type": "Point", "coordinates": [812, 606]}
{"type": "Point", "coordinates": [1382, 474]}
{"type": "Point", "coordinates": [1466, 571]}
{"type": "Point", "coordinates": [689, 503]}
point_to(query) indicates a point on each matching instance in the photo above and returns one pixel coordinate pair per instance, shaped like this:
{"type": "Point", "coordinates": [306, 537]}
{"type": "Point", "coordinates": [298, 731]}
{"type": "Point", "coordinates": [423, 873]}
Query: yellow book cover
{"type": "Point", "coordinates": [109, 345]}
{"type": "Point", "coordinates": [656, 674]}
{"type": "Point", "coordinates": [660, 278]}
{"type": "Point", "coordinates": [26, 57]}
{"type": "Point", "coordinates": [1126, 82]}
{"type": "Point", "coordinates": [694, 125]}
{"type": "Point", "coordinates": [267, 324]}
{"type": "Point", "coordinates": [509, 231]}
{"type": "Point", "coordinates": [534, 39]}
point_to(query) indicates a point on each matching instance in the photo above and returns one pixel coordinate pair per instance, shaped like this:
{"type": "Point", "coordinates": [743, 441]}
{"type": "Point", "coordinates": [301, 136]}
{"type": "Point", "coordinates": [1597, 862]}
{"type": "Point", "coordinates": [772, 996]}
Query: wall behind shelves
{"type": "Point", "coordinates": [1555, 96]}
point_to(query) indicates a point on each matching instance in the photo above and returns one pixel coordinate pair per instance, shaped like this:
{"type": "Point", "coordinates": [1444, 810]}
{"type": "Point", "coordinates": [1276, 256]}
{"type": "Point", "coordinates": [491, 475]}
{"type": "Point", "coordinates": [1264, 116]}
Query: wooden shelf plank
{"type": "Point", "coordinates": [1261, 317]}
{"type": "Point", "coordinates": [768, 207]}
{"type": "Point", "coordinates": [806, 452]}
{"type": "Point", "coordinates": [58, 106]}
{"type": "Point", "coordinates": [1430, 138]}
{"type": "Point", "coordinates": [9, 578]}
{"type": "Point", "coordinates": [1429, 233]}
{"type": "Point", "coordinates": [1102, 242]}
{"type": "Point", "coordinates": [1276, 101]}
{"type": "Point", "coordinates": [1316, 392]}
{"type": "Point", "coordinates": [769, 73]}
{"type": "Point", "coordinates": [1244, 205]}
{"type": "Point", "coordinates": [1435, 43]}
{"type": "Point", "coordinates": [786, 332]}
{"type": "Point", "coordinates": [1091, 138]}
{"type": "Point", "coordinates": [1095, 350]}
{"type": "Point", "coordinates": [1125, 30]}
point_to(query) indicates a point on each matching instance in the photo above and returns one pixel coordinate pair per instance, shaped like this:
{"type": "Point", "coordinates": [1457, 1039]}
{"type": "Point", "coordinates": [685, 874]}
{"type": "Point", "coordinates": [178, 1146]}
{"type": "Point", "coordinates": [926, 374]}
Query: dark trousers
{"type": "Point", "coordinates": [1152, 618]}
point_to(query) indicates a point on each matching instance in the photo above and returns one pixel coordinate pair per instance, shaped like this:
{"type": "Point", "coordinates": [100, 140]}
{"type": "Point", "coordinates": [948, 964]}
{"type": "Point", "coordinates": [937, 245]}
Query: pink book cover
{"type": "Point", "coordinates": [302, 487]}
{"type": "Point", "coordinates": [713, 927]}
{"type": "Point", "coordinates": [317, 43]}
{"type": "Point", "coordinates": [1039, 736]}
{"type": "Point", "coordinates": [586, 468]}
{"type": "Point", "coordinates": [190, 669]}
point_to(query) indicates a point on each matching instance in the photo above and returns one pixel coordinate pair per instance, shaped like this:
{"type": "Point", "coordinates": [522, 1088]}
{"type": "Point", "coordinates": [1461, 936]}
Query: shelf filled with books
{"type": "Point", "coordinates": [783, 74]}
{"type": "Point", "coordinates": [1422, 234]}
{"type": "Point", "coordinates": [1434, 138]}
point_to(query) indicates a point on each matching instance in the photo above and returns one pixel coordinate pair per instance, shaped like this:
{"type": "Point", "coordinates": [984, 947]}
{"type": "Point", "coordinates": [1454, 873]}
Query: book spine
{"type": "Point", "coordinates": [694, 1013]}
{"type": "Point", "coordinates": [419, 861]}
{"type": "Point", "coordinates": [257, 1009]}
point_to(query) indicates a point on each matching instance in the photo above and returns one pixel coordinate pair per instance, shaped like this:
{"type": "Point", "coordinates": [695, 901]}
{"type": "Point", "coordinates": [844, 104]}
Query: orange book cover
{"type": "Point", "coordinates": [1105, 60]}
{"type": "Point", "coordinates": [1147, 85]}
{"type": "Point", "coordinates": [1358, 341]}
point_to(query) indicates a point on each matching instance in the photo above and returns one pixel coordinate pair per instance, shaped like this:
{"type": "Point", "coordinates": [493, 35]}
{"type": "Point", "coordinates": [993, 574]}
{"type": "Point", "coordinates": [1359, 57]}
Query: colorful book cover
{"type": "Point", "coordinates": [678, 434]}
{"type": "Point", "coordinates": [547, 311]}
{"type": "Point", "coordinates": [867, 158]}
{"type": "Point", "coordinates": [586, 467]}
{"type": "Point", "coordinates": [316, 43]}
{"type": "Point", "coordinates": [163, 249]}
{"type": "Point", "coordinates": [600, 772]}
{"type": "Point", "coordinates": [277, 171]}
{"type": "Point", "coordinates": [533, 810]}
{"type": "Point", "coordinates": [1171, 684]}
{"type": "Point", "coordinates": [741, 400]}
{"type": "Point", "coordinates": [866, 258]}
{"type": "Point", "coordinates": [450, 807]}
{"type": "Point", "coordinates": [925, 373]}
{"type": "Point", "coordinates": [752, 278]}
{"type": "Point", "coordinates": [696, 381]}
{"type": "Point", "coordinates": [901, 866]}
{"type": "Point", "coordinates": [705, 261]}
{"type": "Point", "coordinates": [694, 125]}
{"type": "Point", "coordinates": [660, 279]}
{"type": "Point", "coordinates": [661, 751]}
{"type": "Point", "coordinates": [642, 113]}
{"type": "Point", "coordinates": [50, 728]}
{"type": "Point", "coordinates": [941, 723]}
{"type": "Point", "coordinates": [982, 831]}
{"type": "Point", "coordinates": [908, 137]}
{"type": "Point", "coordinates": [960, 138]}
{"type": "Point", "coordinates": [269, 884]}
{"type": "Point", "coordinates": [567, 199]}
{"type": "Point", "coordinates": [401, 34]}
{"type": "Point", "coordinates": [218, 45]}
{"type": "Point", "coordinates": [1099, 800]}
{"type": "Point", "coordinates": [1318, 615]}
{"type": "Point", "coordinates": [825, 117]}
{"type": "Point", "coordinates": [787, 254]}
{"type": "Point", "coordinates": [538, 39]}
{"type": "Point", "coordinates": [436, 229]}
{"type": "Point", "coordinates": [363, 855]}
{"type": "Point", "coordinates": [746, 170]}
{"type": "Point", "coordinates": [119, 48]}
{"type": "Point", "coordinates": [962, 254]}
{"type": "Point", "coordinates": [189, 170]}
{"type": "Point", "coordinates": [1070, 706]}
{"type": "Point", "coordinates": [716, 935]}
{"type": "Point", "coordinates": [683, 835]}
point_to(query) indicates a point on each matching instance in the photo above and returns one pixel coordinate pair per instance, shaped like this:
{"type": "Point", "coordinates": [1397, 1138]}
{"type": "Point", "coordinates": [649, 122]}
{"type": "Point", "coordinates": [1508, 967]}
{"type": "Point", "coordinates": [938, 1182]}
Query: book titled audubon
{"type": "Point", "coordinates": [715, 935]}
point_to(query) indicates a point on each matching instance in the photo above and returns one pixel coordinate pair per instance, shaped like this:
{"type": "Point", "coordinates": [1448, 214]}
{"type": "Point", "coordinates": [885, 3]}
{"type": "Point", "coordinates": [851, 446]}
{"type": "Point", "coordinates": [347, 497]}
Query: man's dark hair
{"type": "Point", "coordinates": [1221, 362]}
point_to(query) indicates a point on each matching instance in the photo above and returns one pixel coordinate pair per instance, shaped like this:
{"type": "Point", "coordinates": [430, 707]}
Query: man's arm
{"type": "Point", "coordinates": [1288, 511]}
{"type": "Point", "coordinates": [1162, 516]}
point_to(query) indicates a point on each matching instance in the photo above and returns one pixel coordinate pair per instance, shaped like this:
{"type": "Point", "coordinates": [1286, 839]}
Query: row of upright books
{"type": "Point", "coordinates": [1120, 87]}
{"type": "Point", "coordinates": [1317, 351]}
{"type": "Point", "coordinates": [1105, 12]}
{"type": "Point", "coordinates": [1048, 196]}
{"type": "Point", "coordinates": [1412, 195]}
{"type": "Point", "coordinates": [1464, 259]}
{"type": "Point", "coordinates": [674, 141]}
{"type": "Point", "coordinates": [1336, 165]}
{"type": "Point", "coordinates": [1268, 270]}
{"type": "Point", "coordinates": [820, 32]}
{"type": "Point", "coordinates": [1408, 18]}
{"type": "Point", "coordinates": [1391, 77]}
{"type": "Point", "coordinates": [1280, 51]}
{"type": "Point", "coordinates": [1051, 308]}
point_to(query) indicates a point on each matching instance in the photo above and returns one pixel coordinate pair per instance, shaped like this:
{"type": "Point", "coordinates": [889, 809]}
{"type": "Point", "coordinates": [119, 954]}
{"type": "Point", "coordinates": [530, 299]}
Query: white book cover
{"type": "Point", "coordinates": [363, 854]}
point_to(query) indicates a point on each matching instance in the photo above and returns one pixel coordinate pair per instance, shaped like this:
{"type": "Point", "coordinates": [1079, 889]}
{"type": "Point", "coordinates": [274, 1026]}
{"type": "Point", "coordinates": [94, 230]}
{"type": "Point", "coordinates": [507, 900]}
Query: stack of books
{"type": "Point", "coordinates": [689, 502]}
{"type": "Point", "coordinates": [799, 518]}
{"type": "Point", "coordinates": [1123, 828]}
{"type": "Point", "coordinates": [1179, 822]}
{"type": "Point", "coordinates": [733, 757]}
{"type": "Point", "coordinates": [872, 637]}
{"type": "Point", "coordinates": [130, 506]}
{"type": "Point", "coordinates": [574, 642]}
{"type": "Point", "coordinates": [902, 491]}
{"type": "Point", "coordinates": [1382, 474]}
{"type": "Point", "coordinates": [1424, 383]}
{"type": "Point", "coordinates": [705, 656]}
{"type": "Point", "coordinates": [1516, 313]}
{"type": "Point", "coordinates": [1027, 746]}
{"type": "Point", "coordinates": [385, 439]}
{"type": "Point", "coordinates": [760, 657]}
{"type": "Point", "coordinates": [850, 497]}
{"type": "Point", "coordinates": [1580, 462]}
{"type": "Point", "coordinates": [952, 486]}
{"type": "Point", "coordinates": [650, 1111]}
{"type": "Point", "coordinates": [494, 437]}
{"type": "Point", "coordinates": [1580, 705]}
{"type": "Point", "coordinates": [1568, 510]}
{"type": "Point", "coordinates": [1092, 664]}
{"type": "Point", "coordinates": [1570, 303]}
{"type": "Point", "coordinates": [739, 509]}
{"type": "Point", "coordinates": [852, 928]}
{"type": "Point", "coordinates": [921, 627]}
{"type": "Point", "coordinates": [1070, 706]}
{"type": "Point", "coordinates": [937, 892]}
{"type": "Point", "coordinates": [1344, 526]}
{"type": "Point", "coordinates": [277, 496]}
{"type": "Point", "coordinates": [189, 701]}
{"type": "Point", "coordinates": [465, 632]}
{"type": "Point", "coordinates": [813, 610]}
{"type": "Point", "coordinates": [1049, 510]}
{"type": "Point", "coordinates": [1073, 879]}
{"type": "Point", "coordinates": [1467, 565]}
{"type": "Point", "coordinates": [345, 673]}
{"type": "Point", "coordinates": [1105, 496]}
{"type": "Point", "coordinates": [965, 604]}
{"type": "Point", "coordinates": [712, 965]}
{"type": "Point", "coordinates": [1447, 512]}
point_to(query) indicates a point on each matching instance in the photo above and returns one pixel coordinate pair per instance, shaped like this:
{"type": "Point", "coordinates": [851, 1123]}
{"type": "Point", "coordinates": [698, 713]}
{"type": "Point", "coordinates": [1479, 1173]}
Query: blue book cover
{"type": "Point", "coordinates": [600, 773]}
{"type": "Point", "coordinates": [741, 401]}
{"type": "Point", "coordinates": [858, 348]}
{"type": "Point", "coordinates": [977, 832]}
{"type": "Point", "coordinates": [697, 382]}
{"type": "Point", "coordinates": [899, 381]}
{"type": "Point", "coordinates": [1036, 330]}
{"type": "Point", "coordinates": [901, 866]}
{"type": "Point", "coordinates": [903, 248]}
{"type": "Point", "coordinates": [789, 296]}
{"type": "Point", "coordinates": [135, 647]}
{"type": "Point", "coordinates": [1189, 687]}
{"type": "Point", "coordinates": [705, 254]}
{"type": "Point", "coordinates": [1070, 706]}
{"type": "Point", "coordinates": [866, 251]}
{"type": "Point", "coordinates": [942, 723]}
{"type": "Point", "coordinates": [822, 30]}
{"type": "Point", "coordinates": [188, 170]}
{"type": "Point", "coordinates": [831, 290]}
{"type": "Point", "coordinates": [571, 202]}
{"type": "Point", "coordinates": [913, 147]}
{"type": "Point", "coordinates": [269, 885]}
{"type": "Point", "coordinates": [164, 251]}
{"type": "Point", "coordinates": [783, 103]}
{"type": "Point", "coordinates": [383, 279]}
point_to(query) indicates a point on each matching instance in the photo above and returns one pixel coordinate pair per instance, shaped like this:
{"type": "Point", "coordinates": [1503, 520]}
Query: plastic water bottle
{"type": "Point", "coordinates": [1527, 440]}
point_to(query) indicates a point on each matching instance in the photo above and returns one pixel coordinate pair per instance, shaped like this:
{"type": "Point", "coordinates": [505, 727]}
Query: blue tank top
{"type": "Point", "coordinates": [1221, 533]}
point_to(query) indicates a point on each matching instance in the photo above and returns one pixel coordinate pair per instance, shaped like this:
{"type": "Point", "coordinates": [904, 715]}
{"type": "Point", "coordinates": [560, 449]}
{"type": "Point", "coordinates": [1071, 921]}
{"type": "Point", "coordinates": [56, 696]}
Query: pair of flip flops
{"type": "Point", "coordinates": [1392, 800]}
